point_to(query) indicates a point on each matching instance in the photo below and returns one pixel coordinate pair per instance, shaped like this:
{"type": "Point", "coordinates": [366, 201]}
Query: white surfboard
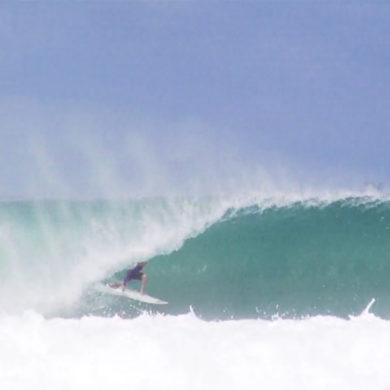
{"type": "Point", "coordinates": [129, 293]}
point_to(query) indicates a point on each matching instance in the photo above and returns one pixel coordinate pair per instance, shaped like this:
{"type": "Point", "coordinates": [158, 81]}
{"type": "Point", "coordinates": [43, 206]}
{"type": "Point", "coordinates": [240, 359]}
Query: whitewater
{"type": "Point", "coordinates": [277, 293]}
{"type": "Point", "coordinates": [171, 352]}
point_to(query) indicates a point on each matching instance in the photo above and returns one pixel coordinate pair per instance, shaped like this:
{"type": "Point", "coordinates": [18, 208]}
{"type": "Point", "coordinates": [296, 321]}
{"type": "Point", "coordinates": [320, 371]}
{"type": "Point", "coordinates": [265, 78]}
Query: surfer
{"type": "Point", "coordinates": [134, 273]}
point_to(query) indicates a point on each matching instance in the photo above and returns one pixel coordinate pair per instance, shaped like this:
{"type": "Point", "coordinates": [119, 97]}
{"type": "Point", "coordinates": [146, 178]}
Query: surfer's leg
{"type": "Point", "coordinates": [127, 278]}
{"type": "Point", "coordinates": [143, 282]}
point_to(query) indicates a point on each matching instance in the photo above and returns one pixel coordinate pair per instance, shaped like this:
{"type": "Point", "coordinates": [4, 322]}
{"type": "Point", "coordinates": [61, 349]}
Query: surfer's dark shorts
{"type": "Point", "coordinates": [133, 275]}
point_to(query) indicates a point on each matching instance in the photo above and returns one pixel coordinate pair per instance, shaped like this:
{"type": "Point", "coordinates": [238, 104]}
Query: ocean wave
{"type": "Point", "coordinates": [229, 257]}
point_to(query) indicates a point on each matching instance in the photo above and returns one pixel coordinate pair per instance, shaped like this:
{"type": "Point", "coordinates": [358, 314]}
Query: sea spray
{"type": "Point", "coordinates": [53, 250]}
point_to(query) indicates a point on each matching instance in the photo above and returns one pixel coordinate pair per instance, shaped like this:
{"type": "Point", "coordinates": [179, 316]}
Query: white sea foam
{"type": "Point", "coordinates": [184, 352]}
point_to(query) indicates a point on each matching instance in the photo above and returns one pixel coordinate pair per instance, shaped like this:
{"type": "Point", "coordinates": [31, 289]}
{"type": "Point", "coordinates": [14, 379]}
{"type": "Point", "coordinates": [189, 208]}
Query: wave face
{"type": "Point", "coordinates": [222, 259]}
{"type": "Point", "coordinates": [296, 260]}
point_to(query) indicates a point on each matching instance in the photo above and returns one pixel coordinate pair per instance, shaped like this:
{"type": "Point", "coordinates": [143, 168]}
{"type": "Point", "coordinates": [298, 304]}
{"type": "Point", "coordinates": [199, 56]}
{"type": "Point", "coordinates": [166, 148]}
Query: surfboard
{"type": "Point", "coordinates": [129, 293]}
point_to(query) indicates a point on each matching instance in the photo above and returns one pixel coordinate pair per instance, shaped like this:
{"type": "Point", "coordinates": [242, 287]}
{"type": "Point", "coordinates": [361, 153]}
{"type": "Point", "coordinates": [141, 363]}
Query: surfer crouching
{"type": "Point", "coordinates": [134, 273]}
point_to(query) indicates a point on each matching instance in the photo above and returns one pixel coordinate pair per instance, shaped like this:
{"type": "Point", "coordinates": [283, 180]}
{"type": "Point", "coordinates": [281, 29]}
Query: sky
{"type": "Point", "coordinates": [145, 97]}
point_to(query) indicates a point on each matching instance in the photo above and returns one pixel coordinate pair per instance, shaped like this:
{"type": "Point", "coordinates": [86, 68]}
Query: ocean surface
{"type": "Point", "coordinates": [264, 293]}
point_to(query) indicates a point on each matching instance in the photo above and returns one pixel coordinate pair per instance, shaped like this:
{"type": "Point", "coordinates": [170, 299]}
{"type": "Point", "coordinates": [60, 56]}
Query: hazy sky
{"type": "Point", "coordinates": [122, 98]}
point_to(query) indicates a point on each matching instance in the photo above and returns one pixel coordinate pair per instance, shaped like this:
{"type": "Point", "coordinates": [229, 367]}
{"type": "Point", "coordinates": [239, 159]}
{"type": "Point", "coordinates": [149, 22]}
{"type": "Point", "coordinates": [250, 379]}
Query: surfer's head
{"type": "Point", "coordinates": [142, 263]}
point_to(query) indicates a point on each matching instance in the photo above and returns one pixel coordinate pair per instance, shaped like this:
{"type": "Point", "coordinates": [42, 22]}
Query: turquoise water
{"type": "Point", "coordinates": [289, 261]}
{"type": "Point", "coordinates": [222, 260]}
